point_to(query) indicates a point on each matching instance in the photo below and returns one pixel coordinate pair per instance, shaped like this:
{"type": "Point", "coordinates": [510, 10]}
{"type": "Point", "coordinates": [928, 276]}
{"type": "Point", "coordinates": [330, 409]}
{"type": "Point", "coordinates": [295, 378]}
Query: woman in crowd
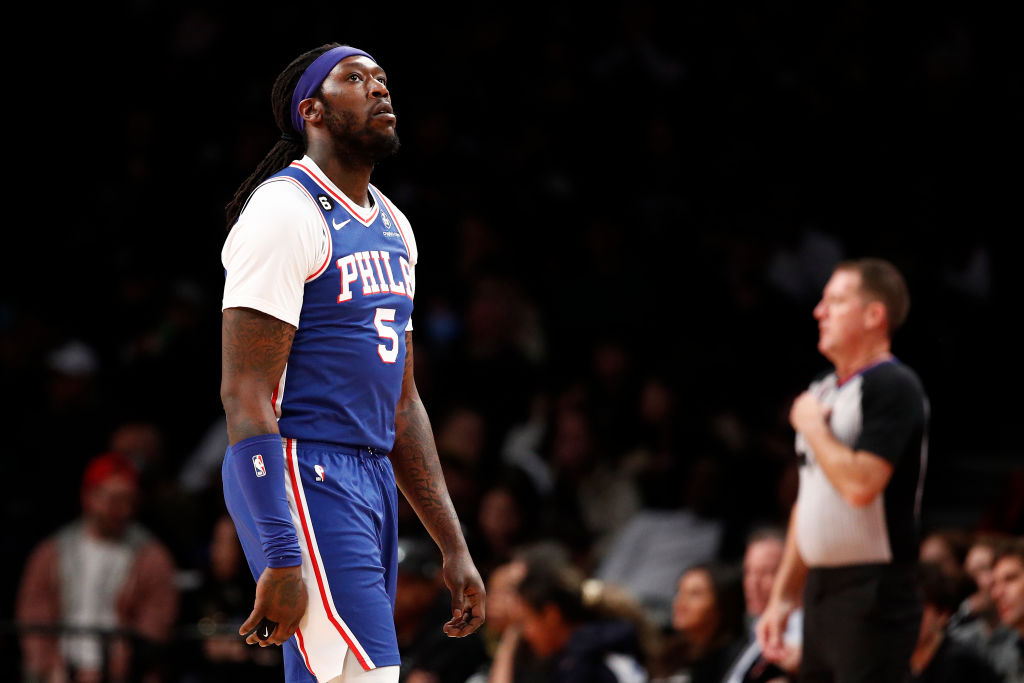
{"type": "Point", "coordinates": [575, 630]}
{"type": "Point", "coordinates": [708, 629]}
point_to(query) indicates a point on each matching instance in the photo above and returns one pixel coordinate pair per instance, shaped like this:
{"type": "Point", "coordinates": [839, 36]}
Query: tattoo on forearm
{"type": "Point", "coordinates": [416, 462]}
{"type": "Point", "coordinates": [254, 350]}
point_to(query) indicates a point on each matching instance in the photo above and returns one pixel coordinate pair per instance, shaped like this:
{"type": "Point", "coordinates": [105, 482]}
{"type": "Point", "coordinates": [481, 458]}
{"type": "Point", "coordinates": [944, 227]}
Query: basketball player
{"type": "Point", "coordinates": [324, 419]}
{"type": "Point", "coordinates": [852, 541]}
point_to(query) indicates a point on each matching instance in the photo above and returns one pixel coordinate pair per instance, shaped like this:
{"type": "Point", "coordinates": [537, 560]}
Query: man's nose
{"type": "Point", "coordinates": [378, 89]}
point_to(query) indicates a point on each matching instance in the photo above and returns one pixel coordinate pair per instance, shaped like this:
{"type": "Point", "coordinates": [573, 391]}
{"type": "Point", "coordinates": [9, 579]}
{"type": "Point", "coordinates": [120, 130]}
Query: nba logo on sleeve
{"type": "Point", "coordinates": [257, 464]}
{"type": "Point", "coordinates": [319, 469]}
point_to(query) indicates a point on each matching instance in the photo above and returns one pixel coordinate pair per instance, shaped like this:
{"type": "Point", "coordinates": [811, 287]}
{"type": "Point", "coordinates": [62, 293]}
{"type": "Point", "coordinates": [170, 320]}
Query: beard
{"type": "Point", "coordinates": [359, 141]}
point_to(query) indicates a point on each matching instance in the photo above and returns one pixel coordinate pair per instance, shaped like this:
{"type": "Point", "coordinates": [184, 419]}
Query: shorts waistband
{"type": "Point", "coordinates": [347, 449]}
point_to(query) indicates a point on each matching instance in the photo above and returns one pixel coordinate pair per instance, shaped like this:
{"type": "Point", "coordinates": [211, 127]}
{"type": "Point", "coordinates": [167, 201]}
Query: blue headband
{"type": "Point", "coordinates": [315, 74]}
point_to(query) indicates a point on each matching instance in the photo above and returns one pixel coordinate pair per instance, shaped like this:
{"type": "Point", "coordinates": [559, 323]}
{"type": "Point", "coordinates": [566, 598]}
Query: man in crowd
{"type": "Point", "coordinates": [1008, 593]}
{"type": "Point", "coordinates": [760, 565]}
{"type": "Point", "coordinates": [105, 572]}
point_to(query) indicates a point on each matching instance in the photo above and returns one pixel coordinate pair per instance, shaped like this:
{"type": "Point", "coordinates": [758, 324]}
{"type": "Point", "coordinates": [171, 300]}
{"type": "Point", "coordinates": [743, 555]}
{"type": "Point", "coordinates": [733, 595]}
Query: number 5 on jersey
{"type": "Point", "coordinates": [386, 315]}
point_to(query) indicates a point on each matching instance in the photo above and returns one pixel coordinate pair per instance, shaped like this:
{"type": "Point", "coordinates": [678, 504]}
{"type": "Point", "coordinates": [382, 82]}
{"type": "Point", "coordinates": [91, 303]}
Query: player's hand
{"type": "Point", "coordinates": [468, 596]}
{"type": "Point", "coordinates": [280, 598]}
{"type": "Point", "coordinates": [808, 413]}
{"type": "Point", "coordinates": [770, 629]}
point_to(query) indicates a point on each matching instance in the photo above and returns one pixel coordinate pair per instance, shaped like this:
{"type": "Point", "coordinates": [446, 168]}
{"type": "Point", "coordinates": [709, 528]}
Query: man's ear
{"type": "Point", "coordinates": [876, 315]}
{"type": "Point", "coordinates": [311, 109]}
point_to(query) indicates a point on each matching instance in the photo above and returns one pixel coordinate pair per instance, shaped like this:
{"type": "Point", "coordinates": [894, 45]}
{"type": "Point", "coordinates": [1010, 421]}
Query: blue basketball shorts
{"type": "Point", "coordinates": [344, 505]}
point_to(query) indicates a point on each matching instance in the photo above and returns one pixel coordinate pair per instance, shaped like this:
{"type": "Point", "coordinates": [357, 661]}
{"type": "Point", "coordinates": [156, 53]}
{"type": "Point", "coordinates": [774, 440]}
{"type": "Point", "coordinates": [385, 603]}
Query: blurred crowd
{"type": "Point", "coordinates": [622, 233]}
{"type": "Point", "coordinates": [102, 600]}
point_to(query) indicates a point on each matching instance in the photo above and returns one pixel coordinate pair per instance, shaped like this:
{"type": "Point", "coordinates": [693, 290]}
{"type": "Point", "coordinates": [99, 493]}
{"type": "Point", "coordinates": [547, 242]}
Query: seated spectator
{"type": "Point", "coordinates": [216, 608]}
{"type": "Point", "coordinates": [592, 495]}
{"type": "Point", "coordinates": [105, 572]}
{"type": "Point", "coordinates": [976, 622]}
{"type": "Point", "coordinates": [936, 658]}
{"type": "Point", "coordinates": [1008, 593]}
{"type": "Point", "coordinates": [672, 529]}
{"type": "Point", "coordinates": [576, 631]}
{"type": "Point", "coordinates": [501, 632]}
{"type": "Point", "coordinates": [760, 564]}
{"type": "Point", "coordinates": [502, 584]}
{"type": "Point", "coordinates": [506, 519]}
{"type": "Point", "coordinates": [708, 621]}
{"type": "Point", "coordinates": [946, 548]}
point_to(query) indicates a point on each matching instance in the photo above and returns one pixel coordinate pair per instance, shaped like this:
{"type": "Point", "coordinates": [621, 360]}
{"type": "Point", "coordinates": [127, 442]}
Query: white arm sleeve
{"type": "Point", "coordinates": [279, 242]}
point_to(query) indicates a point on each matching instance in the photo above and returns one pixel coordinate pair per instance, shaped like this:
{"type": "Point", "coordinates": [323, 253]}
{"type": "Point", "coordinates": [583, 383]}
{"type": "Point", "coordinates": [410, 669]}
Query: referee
{"type": "Point", "coordinates": [861, 439]}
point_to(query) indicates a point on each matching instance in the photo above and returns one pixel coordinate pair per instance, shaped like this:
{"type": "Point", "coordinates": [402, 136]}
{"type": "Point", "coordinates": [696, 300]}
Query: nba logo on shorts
{"type": "Point", "coordinates": [257, 464]}
{"type": "Point", "coordinates": [319, 469]}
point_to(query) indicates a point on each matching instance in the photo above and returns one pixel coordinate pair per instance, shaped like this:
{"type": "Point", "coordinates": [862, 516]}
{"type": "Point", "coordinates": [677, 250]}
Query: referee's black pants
{"type": "Point", "coordinates": [861, 624]}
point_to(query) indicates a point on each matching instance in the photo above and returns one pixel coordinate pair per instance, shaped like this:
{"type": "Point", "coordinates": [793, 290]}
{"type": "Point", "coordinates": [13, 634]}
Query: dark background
{"type": "Point", "coordinates": [674, 180]}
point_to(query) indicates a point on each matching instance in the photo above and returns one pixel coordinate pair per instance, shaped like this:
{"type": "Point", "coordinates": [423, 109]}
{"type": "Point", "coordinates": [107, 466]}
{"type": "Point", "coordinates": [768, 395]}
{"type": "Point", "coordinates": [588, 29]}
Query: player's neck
{"type": "Point", "coordinates": [861, 358]}
{"type": "Point", "coordinates": [352, 179]}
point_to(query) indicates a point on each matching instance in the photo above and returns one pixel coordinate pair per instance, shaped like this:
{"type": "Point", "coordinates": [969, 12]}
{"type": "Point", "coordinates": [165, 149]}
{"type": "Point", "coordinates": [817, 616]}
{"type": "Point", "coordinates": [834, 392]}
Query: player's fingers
{"type": "Point", "coordinates": [463, 624]}
{"type": "Point", "coordinates": [458, 603]}
{"type": "Point", "coordinates": [478, 607]}
{"type": "Point", "coordinates": [249, 625]}
{"type": "Point", "coordinates": [283, 632]}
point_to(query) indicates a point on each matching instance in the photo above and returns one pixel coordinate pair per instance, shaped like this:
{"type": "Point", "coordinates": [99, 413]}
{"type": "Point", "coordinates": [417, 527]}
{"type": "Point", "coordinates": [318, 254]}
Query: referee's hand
{"type": "Point", "coordinates": [281, 601]}
{"type": "Point", "coordinates": [770, 629]}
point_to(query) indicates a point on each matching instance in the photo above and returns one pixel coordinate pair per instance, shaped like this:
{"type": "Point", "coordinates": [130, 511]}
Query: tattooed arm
{"type": "Point", "coordinates": [419, 476]}
{"type": "Point", "coordinates": [254, 350]}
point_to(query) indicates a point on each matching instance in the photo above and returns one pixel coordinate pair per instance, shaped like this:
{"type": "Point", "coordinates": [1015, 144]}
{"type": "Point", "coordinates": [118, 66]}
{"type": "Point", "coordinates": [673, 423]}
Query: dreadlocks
{"type": "Point", "coordinates": [292, 143]}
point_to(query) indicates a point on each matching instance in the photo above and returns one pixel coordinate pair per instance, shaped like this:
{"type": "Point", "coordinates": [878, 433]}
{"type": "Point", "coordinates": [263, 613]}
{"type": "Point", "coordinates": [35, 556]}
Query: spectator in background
{"type": "Point", "coordinates": [592, 497]}
{"type": "Point", "coordinates": [164, 507]}
{"type": "Point", "coordinates": [1008, 593]}
{"type": "Point", "coordinates": [502, 631]}
{"type": "Point", "coordinates": [502, 607]}
{"type": "Point", "coordinates": [976, 622]}
{"type": "Point", "coordinates": [978, 563]}
{"type": "Point", "coordinates": [578, 631]}
{"type": "Point", "coordinates": [213, 611]}
{"type": "Point", "coordinates": [936, 658]}
{"type": "Point", "coordinates": [707, 617]}
{"type": "Point", "coordinates": [103, 571]}
{"type": "Point", "coordinates": [946, 548]}
{"type": "Point", "coordinates": [760, 564]}
{"type": "Point", "coordinates": [506, 519]}
{"type": "Point", "coordinates": [674, 528]}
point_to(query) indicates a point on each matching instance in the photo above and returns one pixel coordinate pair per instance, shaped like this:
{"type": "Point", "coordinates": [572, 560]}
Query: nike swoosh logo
{"type": "Point", "coordinates": [339, 226]}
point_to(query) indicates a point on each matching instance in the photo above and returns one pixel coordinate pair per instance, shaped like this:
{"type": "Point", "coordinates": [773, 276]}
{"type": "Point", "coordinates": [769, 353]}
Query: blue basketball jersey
{"type": "Point", "coordinates": [344, 375]}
